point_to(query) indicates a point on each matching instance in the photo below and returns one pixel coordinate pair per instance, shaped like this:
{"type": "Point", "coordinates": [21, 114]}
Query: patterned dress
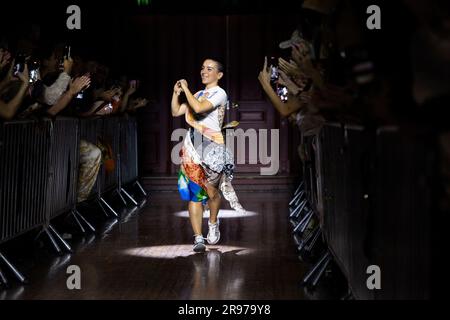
{"type": "Point", "coordinates": [204, 157]}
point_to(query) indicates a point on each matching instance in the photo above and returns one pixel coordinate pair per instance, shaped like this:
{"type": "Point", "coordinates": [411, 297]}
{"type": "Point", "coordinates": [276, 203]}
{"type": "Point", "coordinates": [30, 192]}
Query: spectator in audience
{"type": "Point", "coordinates": [303, 74]}
{"type": "Point", "coordinates": [302, 79]}
{"type": "Point", "coordinates": [317, 92]}
{"type": "Point", "coordinates": [63, 83]}
{"type": "Point", "coordinates": [54, 91]}
{"type": "Point", "coordinates": [55, 87]}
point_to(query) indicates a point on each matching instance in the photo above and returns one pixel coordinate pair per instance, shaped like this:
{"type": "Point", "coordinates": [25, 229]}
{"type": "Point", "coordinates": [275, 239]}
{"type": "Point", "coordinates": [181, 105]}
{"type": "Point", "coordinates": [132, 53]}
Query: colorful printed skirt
{"type": "Point", "coordinates": [205, 162]}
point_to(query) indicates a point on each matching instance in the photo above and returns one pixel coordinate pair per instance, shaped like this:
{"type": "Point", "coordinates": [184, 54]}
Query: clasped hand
{"type": "Point", "coordinates": [180, 86]}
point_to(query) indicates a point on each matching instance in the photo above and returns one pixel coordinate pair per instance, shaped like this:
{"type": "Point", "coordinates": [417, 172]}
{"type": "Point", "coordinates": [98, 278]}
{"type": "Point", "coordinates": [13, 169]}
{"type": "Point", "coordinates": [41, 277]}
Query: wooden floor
{"type": "Point", "coordinates": [149, 256]}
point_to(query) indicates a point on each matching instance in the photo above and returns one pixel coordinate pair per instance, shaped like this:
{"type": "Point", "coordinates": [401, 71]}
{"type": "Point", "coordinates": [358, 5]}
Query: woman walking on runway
{"type": "Point", "coordinates": [206, 164]}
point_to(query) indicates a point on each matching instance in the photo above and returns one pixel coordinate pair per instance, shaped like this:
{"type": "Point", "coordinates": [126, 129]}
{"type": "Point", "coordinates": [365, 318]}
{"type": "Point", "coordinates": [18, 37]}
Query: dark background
{"type": "Point", "coordinates": [165, 41]}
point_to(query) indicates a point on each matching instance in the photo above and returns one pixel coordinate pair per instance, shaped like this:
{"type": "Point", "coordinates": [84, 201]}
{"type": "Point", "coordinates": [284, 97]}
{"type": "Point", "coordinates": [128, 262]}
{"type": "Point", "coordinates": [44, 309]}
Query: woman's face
{"type": "Point", "coordinates": [210, 72]}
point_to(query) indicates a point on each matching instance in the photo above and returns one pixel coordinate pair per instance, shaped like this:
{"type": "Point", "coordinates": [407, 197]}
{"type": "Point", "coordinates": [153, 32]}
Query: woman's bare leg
{"type": "Point", "coordinates": [213, 202]}
{"type": "Point", "coordinates": [196, 216]}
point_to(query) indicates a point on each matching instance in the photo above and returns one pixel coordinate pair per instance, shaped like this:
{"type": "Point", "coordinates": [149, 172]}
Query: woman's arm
{"type": "Point", "coordinates": [177, 108]}
{"type": "Point", "coordinates": [197, 106]}
{"type": "Point", "coordinates": [75, 86]}
{"type": "Point", "coordinates": [284, 108]}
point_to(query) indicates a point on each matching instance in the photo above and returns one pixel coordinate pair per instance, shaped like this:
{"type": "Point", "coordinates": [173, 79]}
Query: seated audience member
{"type": "Point", "coordinates": [90, 161]}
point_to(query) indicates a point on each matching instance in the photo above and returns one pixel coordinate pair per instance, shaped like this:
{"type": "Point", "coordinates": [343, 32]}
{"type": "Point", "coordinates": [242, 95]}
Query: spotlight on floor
{"type": "Point", "coordinates": [223, 214]}
{"type": "Point", "coordinates": [181, 250]}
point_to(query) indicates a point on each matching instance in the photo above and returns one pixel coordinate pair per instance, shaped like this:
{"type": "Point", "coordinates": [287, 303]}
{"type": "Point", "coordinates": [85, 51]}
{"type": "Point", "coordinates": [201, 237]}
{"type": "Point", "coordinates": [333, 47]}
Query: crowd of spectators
{"type": "Point", "coordinates": [340, 71]}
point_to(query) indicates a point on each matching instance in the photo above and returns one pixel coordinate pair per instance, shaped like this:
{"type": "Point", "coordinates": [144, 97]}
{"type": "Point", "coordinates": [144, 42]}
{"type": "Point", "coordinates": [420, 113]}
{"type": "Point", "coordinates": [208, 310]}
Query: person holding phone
{"type": "Point", "coordinates": [294, 104]}
{"type": "Point", "coordinates": [206, 164]}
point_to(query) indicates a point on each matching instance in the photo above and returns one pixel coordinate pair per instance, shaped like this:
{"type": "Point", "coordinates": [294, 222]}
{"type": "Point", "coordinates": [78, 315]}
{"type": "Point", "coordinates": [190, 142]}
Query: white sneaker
{"type": "Point", "coordinates": [213, 233]}
{"type": "Point", "coordinates": [199, 244]}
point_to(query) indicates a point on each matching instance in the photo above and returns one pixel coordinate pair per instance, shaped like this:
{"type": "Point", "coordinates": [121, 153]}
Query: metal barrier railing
{"type": "Point", "coordinates": [128, 157]}
{"type": "Point", "coordinates": [343, 165]}
{"type": "Point", "coordinates": [373, 205]}
{"type": "Point", "coordinates": [128, 150]}
{"type": "Point", "coordinates": [400, 225]}
{"type": "Point", "coordinates": [111, 136]}
{"type": "Point", "coordinates": [63, 166]}
{"type": "Point", "coordinates": [24, 158]}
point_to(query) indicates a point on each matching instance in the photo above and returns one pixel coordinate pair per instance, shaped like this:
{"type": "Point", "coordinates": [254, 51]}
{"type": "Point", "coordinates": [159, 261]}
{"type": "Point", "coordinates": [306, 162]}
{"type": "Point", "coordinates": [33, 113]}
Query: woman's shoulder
{"type": "Point", "coordinates": [217, 90]}
{"type": "Point", "coordinates": [220, 89]}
